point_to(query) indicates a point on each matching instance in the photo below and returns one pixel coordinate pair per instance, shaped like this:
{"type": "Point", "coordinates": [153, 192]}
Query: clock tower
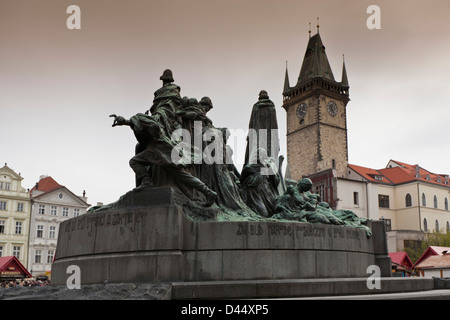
{"type": "Point", "coordinates": [316, 116]}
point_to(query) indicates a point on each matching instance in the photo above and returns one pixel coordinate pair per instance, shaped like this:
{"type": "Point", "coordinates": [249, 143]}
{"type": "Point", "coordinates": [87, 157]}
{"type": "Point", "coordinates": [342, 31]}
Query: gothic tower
{"type": "Point", "coordinates": [316, 116]}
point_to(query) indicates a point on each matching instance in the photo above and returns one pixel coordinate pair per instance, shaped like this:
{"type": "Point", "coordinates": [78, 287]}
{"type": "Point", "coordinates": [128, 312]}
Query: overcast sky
{"type": "Point", "coordinates": [58, 86]}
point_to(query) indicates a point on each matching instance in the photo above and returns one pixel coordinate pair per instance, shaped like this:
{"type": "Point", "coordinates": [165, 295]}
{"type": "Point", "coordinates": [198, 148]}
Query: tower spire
{"type": "Point", "coordinates": [317, 24]}
{"type": "Point", "coordinates": [344, 80]}
{"type": "Point", "coordinates": [286, 80]}
{"type": "Point", "coordinates": [309, 30]}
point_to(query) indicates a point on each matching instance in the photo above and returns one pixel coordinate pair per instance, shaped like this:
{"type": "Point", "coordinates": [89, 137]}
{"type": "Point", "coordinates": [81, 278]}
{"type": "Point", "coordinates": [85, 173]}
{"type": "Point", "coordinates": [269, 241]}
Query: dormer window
{"type": "Point", "coordinates": [428, 177]}
{"type": "Point", "coordinates": [379, 178]}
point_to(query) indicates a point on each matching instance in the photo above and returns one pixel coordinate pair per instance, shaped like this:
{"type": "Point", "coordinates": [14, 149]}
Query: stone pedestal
{"type": "Point", "coordinates": [161, 244]}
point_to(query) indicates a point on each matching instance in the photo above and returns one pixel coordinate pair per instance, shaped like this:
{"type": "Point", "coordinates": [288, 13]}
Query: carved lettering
{"type": "Point", "coordinates": [249, 229]}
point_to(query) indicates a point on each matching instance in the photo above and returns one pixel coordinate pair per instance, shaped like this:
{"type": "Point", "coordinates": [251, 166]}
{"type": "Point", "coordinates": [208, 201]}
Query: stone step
{"type": "Point", "coordinates": [297, 288]}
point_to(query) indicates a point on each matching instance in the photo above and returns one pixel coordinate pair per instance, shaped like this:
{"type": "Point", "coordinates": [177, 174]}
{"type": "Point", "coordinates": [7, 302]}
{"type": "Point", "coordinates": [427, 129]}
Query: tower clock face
{"type": "Point", "coordinates": [301, 110]}
{"type": "Point", "coordinates": [332, 108]}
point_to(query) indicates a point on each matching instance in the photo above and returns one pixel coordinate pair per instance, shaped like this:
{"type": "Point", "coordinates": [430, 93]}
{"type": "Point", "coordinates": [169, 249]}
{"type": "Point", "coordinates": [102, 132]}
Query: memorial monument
{"type": "Point", "coordinates": [194, 217]}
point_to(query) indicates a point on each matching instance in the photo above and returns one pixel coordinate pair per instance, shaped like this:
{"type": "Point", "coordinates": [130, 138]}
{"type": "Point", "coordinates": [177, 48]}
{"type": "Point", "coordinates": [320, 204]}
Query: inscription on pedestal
{"type": "Point", "coordinates": [320, 231]}
{"type": "Point", "coordinates": [89, 222]}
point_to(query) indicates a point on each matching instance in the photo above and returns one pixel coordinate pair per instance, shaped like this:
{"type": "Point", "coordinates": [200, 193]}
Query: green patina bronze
{"type": "Point", "coordinates": [211, 188]}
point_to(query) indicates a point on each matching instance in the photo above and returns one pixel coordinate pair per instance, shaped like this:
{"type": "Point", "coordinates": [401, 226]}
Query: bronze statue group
{"type": "Point", "coordinates": [179, 146]}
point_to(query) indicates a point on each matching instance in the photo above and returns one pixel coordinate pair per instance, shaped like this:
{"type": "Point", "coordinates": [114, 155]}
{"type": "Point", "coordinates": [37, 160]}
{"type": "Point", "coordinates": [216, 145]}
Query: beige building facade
{"type": "Point", "coordinates": [15, 208]}
{"type": "Point", "coordinates": [411, 200]}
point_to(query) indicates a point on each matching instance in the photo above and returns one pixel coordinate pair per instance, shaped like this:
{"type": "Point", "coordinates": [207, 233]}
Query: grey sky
{"type": "Point", "coordinates": [58, 86]}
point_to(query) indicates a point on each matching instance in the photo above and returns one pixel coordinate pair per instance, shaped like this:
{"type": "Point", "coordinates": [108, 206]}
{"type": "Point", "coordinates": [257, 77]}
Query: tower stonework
{"type": "Point", "coordinates": [316, 116]}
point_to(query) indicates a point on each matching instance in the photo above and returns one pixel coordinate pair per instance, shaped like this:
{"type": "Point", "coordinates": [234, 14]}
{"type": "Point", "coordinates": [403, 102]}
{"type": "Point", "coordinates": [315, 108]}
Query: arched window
{"type": "Point", "coordinates": [448, 227]}
{"type": "Point", "coordinates": [436, 226]}
{"type": "Point", "coordinates": [425, 225]}
{"type": "Point", "coordinates": [446, 204]}
{"type": "Point", "coordinates": [435, 202]}
{"type": "Point", "coordinates": [424, 200]}
{"type": "Point", "coordinates": [408, 200]}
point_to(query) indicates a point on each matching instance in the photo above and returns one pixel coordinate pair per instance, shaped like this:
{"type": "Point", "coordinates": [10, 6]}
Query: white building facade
{"type": "Point", "coordinates": [15, 206]}
{"type": "Point", "coordinates": [51, 204]}
{"type": "Point", "coordinates": [411, 200]}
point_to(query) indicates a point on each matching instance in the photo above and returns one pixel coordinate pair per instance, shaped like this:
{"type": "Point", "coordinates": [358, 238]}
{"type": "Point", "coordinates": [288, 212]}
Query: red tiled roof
{"type": "Point", "coordinates": [366, 173]}
{"type": "Point", "coordinates": [401, 259]}
{"type": "Point", "coordinates": [46, 184]}
{"type": "Point", "coordinates": [402, 173]}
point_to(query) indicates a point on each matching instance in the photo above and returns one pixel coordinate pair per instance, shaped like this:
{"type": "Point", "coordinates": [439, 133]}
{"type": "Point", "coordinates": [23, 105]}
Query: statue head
{"type": "Point", "coordinates": [167, 76]}
{"type": "Point", "coordinates": [263, 95]}
{"type": "Point", "coordinates": [206, 104]}
{"type": "Point", "coordinates": [193, 102]}
{"type": "Point", "coordinates": [304, 185]}
{"type": "Point", "coordinates": [290, 189]}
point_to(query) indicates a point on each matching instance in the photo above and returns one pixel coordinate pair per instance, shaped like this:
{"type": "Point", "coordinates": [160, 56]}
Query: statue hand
{"type": "Point", "coordinates": [118, 120]}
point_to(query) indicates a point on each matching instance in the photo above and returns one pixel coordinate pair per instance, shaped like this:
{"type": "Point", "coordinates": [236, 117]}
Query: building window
{"type": "Point", "coordinates": [435, 202]}
{"type": "Point", "coordinates": [436, 226]}
{"type": "Point", "coordinates": [76, 212]}
{"type": "Point", "coordinates": [356, 198]}
{"type": "Point", "coordinates": [425, 225]}
{"type": "Point", "coordinates": [388, 224]}
{"type": "Point", "coordinates": [448, 227]}
{"type": "Point", "coordinates": [2, 226]}
{"type": "Point", "coordinates": [446, 204]}
{"type": "Point", "coordinates": [53, 210]}
{"type": "Point", "coordinates": [18, 227]}
{"type": "Point", "coordinates": [7, 185]}
{"type": "Point", "coordinates": [52, 232]}
{"type": "Point", "coordinates": [383, 201]}
{"type": "Point", "coordinates": [50, 255]}
{"type": "Point", "coordinates": [20, 207]}
{"type": "Point", "coordinates": [65, 212]}
{"type": "Point", "coordinates": [16, 252]}
{"type": "Point", "coordinates": [408, 200]}
{"type": "Point", "coordinates": [424, 200]}
{"type": "Point", "coordinates": [1, 251]}
{"type": "Point", "coordinates": [41, 209]}
{"type": "Point", "coordinates": [40, 231]}
{"type": "Point", "coordinates": [2, 205]}
{"type": "Point", "coordinates": [320, 190]}
{"type": "Point", "coordinates": [37, 256]}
